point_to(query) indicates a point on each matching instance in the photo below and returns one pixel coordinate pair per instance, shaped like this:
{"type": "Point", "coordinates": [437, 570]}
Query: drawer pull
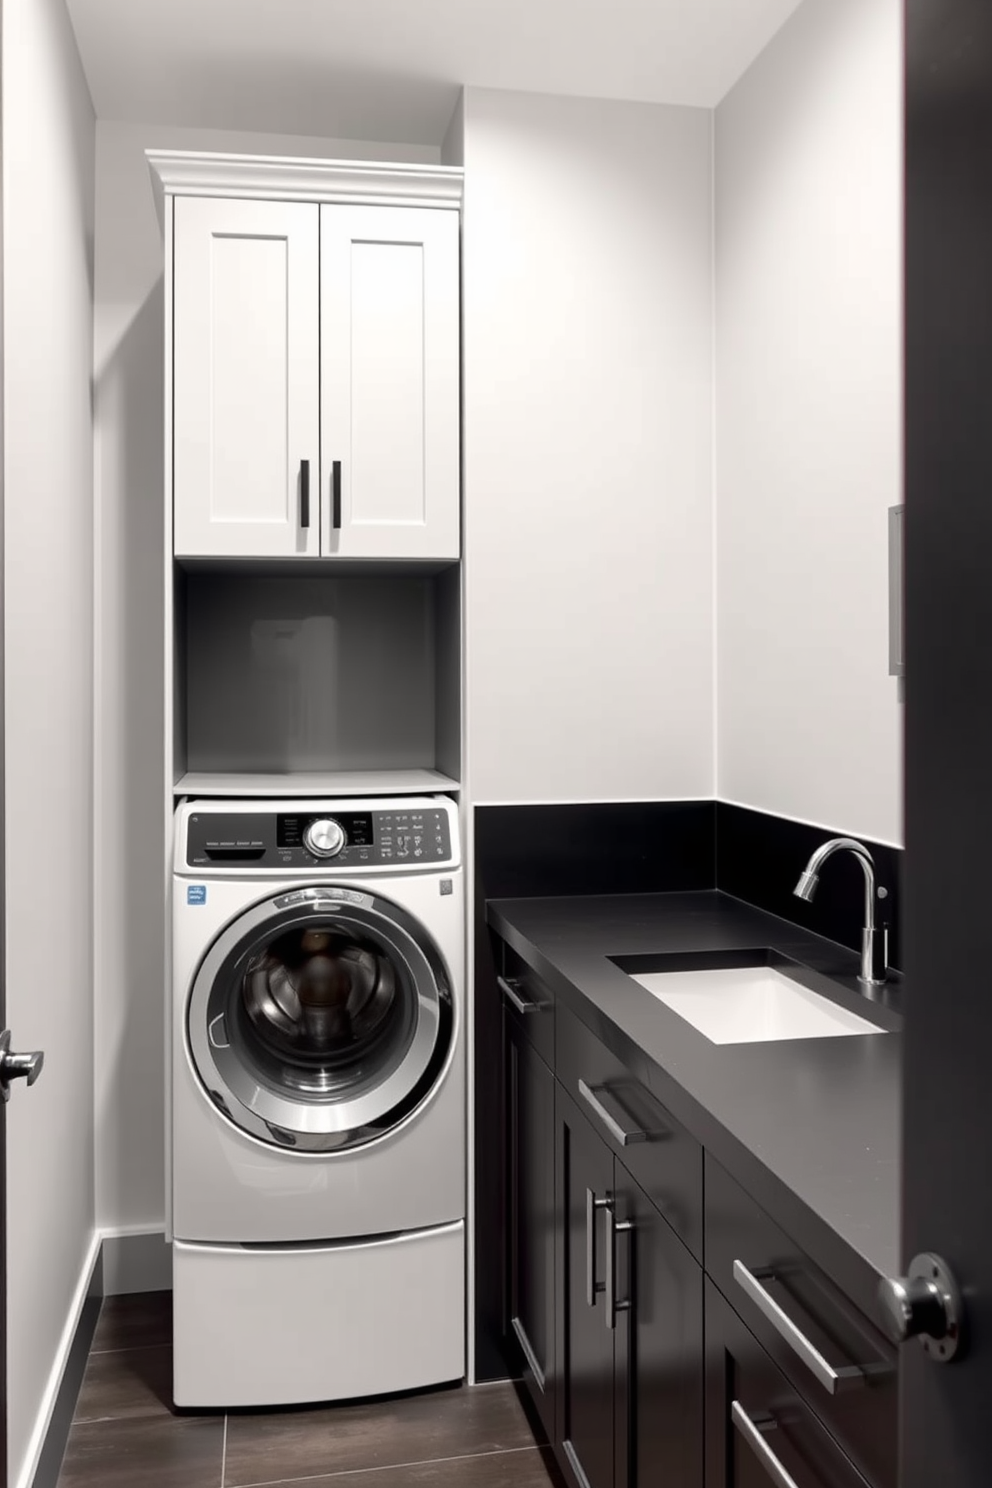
{"type": "Point", "coordinates": [616, 1131]}
{"type": "Point", "coordinates": [511, 994]}
{"type": "Point", "coordinates": [849, 1376]}
{"type": "Point", "coordinates": [755, 1439]}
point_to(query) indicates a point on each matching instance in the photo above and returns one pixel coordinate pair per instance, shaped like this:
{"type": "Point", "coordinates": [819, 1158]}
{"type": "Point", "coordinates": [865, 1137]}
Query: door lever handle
{"type": "Point", "coordinates": [17, 1066]}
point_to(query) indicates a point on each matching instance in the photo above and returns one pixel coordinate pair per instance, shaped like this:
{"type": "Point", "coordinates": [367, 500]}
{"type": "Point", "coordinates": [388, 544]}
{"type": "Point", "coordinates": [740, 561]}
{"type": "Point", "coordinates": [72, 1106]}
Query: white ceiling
{"type": "Point", "coordinates": [391, 69]}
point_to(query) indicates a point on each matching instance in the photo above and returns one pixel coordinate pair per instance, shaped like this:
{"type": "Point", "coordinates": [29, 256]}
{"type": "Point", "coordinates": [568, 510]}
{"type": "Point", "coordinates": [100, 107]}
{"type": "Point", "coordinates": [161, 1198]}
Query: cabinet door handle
{"type": "Point", "coordinates": [614, 1227]}
{"type": "Point", "coordinates": [511, 994]}
{"type": "Point", "coordinates": [304, 493]}
{"type": "Point", "coordinates": [616, 1131]}
{"type": "Point", "coordinates": [833, 1380]}
{"type": "Point", "coordinates": [755, 1439]}
{"type": "Point", "coordinates": [336, 495]}
{"type": "Point", "coordinates": [592, 1285]}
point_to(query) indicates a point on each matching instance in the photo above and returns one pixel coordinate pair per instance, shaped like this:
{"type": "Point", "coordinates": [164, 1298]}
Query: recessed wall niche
{"type": "Point", "coordinates": [284, 673]}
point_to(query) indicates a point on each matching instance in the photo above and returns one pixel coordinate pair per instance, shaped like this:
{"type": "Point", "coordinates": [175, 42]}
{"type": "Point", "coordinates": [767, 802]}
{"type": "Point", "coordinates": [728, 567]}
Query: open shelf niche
{"type": "Point", "coordinates": [316, 683]}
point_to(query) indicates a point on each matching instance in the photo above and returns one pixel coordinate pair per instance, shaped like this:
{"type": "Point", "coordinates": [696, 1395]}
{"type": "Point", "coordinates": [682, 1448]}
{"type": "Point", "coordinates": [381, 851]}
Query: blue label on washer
{"type": "Point", "coordinates": [196, 893]}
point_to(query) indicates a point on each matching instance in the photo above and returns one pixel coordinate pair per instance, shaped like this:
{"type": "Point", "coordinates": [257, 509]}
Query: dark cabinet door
{"type": "Point", "coordinates": [530, 1106]}
{"type": "Point", "coordinates": [659, 1374]}
{"type": "Point", "coordinates": [759, 1431]}
{"type": "Point", "coordinates": [584, 1440]}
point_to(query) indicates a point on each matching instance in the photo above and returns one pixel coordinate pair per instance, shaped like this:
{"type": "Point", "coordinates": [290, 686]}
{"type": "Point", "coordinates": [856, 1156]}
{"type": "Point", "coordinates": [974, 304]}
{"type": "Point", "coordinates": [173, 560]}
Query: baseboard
{"type": "Point", "coordinates": [44, 1458]}
{"type": "Point", "coordinates": [136, 1261]}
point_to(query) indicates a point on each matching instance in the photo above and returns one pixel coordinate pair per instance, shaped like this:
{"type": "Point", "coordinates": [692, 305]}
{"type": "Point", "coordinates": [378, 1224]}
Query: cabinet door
{"type": "Point", "coordinates": [246, 378]}
{"type": "Point", "coordinates": [530, 1099]}
{"type": "Point", "coordinates": [389, 294]}
{"type": "Point", "coordinates": [759, 1431]}
{"type": "Point", "coordinates": [659, 1382]}
{"type": "Point", "coordinates": [584, 1441]}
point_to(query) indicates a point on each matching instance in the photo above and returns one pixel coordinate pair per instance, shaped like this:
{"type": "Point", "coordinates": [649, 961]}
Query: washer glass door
{"type": "Point", "coordinates": [320, 1019]}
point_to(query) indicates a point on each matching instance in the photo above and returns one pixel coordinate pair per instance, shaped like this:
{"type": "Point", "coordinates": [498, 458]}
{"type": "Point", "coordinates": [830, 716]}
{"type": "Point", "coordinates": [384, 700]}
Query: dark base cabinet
{"type": "Point", "coordinates": [586, 1341]}
{"type": "Point", "coordinates": [609, 1221]}
{"type": "Point", "coordinates": [530, 1209]}
{"type": "Point", "coordinates": [759, 1431]}
{"type": "Point", "coordinates": [630, 1334]}
{"type": "Point", "coordinates": [660, 1392]}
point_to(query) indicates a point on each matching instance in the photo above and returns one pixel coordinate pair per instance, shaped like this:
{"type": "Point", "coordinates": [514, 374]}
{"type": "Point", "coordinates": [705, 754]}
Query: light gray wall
{"type": "Point", "coordinates": [48, 155]}
{"type": "Point", "coordinates": [588, 438]}
{"type": "Point", "coordinates": [128, 360]}
{"type": "Point", "coordinates": [808, 419]}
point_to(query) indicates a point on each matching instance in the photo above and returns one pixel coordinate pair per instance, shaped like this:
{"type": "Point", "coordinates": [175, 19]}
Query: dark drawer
{"type": "Point", "coordinates": [528, 1002]}
{"type": "Point", "coordinates": [657, 1152]}
{"type": "Point", "coordinates": [829, 1351]}
{"type": "Point", "coordinates": [758, 1429]}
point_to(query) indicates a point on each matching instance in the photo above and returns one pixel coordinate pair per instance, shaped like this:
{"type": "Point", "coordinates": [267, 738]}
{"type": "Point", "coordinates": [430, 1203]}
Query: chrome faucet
{"type": "Point", "coordinates": [874, 940]}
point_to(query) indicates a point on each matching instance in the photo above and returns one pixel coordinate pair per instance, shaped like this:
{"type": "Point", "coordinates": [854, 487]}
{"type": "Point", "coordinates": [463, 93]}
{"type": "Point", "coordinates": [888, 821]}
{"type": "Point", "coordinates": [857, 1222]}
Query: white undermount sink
{"type": "Point", "coordinates": [750, 1005]}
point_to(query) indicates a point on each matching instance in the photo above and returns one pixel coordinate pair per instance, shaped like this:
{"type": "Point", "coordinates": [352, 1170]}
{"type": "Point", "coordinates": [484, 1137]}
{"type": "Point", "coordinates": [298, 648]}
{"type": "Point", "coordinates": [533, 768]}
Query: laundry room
{"type": "Point", "coordinates": [470, 434]}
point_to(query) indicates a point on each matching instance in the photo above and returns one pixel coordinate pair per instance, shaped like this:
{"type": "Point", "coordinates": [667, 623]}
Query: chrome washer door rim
{"type": "Point", "coordinates": [290, 1119]}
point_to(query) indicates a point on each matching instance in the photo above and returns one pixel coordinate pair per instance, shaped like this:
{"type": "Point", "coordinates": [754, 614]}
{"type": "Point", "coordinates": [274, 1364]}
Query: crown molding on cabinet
{"type": "Point", "coordinates": [195, 173]}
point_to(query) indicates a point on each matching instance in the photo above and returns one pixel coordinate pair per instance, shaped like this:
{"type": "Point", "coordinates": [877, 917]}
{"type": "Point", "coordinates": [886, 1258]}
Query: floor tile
{"type": "Point", "coordinates": [144, 1452]}
{"type": "Point", "coordinates": [456, 1422]}
{"type": "Point", "coordinates": [126, 1382]}
{"type": "Point", "coordinates": [140, 1320]}
{"type": "Point", "coordinates": [527, 1467]}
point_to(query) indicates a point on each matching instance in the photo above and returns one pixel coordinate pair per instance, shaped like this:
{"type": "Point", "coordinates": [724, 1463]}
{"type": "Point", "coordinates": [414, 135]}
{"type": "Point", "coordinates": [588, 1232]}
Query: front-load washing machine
{"type": "Point", "coordinates": [317, 1113]}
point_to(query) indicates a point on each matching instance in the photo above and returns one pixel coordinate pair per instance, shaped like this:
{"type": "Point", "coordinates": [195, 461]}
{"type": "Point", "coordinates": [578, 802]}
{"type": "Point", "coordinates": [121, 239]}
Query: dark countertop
{"type": "Point", "coordinates": [811, 1128]}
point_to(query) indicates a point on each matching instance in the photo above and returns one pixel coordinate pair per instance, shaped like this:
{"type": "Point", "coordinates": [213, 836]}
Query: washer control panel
{"type": "Point", "coordinates": [400, 834]}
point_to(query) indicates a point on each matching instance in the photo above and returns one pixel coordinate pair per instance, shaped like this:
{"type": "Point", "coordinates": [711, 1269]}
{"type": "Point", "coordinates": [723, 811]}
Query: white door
{"type": "Point", "coordinates": [246, 378]}
{"type": "Point", "coordinates": [389, 296]}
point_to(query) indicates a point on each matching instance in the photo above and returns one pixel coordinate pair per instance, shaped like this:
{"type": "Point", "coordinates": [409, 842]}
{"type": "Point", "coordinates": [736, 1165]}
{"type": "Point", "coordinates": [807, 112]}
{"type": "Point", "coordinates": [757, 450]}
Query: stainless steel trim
{"type": "Point", "coordinates": [616, 1131]}
{"type": "Point", "coordinates": [313, 1125]}
{"type": "Point", "coordinates": [592, 1285]}
{"type": "Point", "coordinates": [753, 1436]}
{"type": "Point", "coordinates": [513, 996]}
{"type": "Point", "coordinates": [528, 1352]}
{"type": "Point", "coordinates": [834, 1381]}
{"type": "Point", "coordinates": [614, 1227]}
{"type": "Point", "coordinates": [575, 1464]}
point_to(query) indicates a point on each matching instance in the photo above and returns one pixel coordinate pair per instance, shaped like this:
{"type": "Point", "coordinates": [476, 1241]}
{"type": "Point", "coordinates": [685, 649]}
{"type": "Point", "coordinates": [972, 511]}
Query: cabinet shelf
{"type": "Point", "coordinates": [329, 783]}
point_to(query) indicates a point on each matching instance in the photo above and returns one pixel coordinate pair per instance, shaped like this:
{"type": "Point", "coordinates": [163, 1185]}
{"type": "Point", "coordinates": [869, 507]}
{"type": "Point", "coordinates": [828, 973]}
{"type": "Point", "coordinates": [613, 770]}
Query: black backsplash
{"type": "Point", "coordinates": [759, 857]}
{"type": "Point", "coordinates": [643, 847]}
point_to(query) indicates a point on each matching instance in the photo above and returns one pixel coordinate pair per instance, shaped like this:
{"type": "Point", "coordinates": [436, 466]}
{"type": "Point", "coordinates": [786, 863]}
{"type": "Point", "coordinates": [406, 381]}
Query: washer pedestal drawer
{"type": "Point", "coordinates": [287, 1326]}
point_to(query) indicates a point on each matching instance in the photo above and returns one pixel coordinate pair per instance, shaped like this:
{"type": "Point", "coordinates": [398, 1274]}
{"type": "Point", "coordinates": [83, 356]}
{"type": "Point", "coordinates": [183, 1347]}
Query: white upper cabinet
{"type": "Point", "coordinates": [315, 355]}
{"type": "Point", "coordinates": [389, 352]}
{"type": "Point", "coordinates": [246, 368]}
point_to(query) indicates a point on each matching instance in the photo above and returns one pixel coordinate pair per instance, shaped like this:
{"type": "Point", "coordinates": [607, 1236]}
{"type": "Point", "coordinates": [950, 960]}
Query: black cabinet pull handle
{"type": "Point", "coordinates": [336, 495]}
{"type": "Point", "coordinates": [592, 1285]}
{"type": "Point", "coordinates": [304, 493]}
{"type": "Point", "coordinates": [512, 995]}
{"type": "Point", "coordinates": [616, 1131]}
{"type": "Point", "coordinates": [614, 1227]}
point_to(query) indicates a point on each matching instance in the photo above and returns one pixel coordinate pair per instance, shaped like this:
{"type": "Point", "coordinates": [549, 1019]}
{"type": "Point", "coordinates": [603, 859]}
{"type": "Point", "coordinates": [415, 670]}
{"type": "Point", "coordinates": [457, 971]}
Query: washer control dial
{"type": "Point", "coordinates": [324, 838]}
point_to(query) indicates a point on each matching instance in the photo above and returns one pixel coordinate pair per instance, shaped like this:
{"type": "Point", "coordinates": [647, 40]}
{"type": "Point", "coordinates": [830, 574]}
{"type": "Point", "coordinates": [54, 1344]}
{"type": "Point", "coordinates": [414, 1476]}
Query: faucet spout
{"type": "Point", "coordinates": [874, 941]}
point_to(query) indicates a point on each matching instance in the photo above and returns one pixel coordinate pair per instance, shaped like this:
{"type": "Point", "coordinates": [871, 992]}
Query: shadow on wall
{"type": "Point", "coordinates": [130, 846]}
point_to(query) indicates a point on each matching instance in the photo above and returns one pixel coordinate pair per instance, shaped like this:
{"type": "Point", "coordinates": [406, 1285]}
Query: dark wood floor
{"type": "Point", "coordinates": [125, 1434]}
